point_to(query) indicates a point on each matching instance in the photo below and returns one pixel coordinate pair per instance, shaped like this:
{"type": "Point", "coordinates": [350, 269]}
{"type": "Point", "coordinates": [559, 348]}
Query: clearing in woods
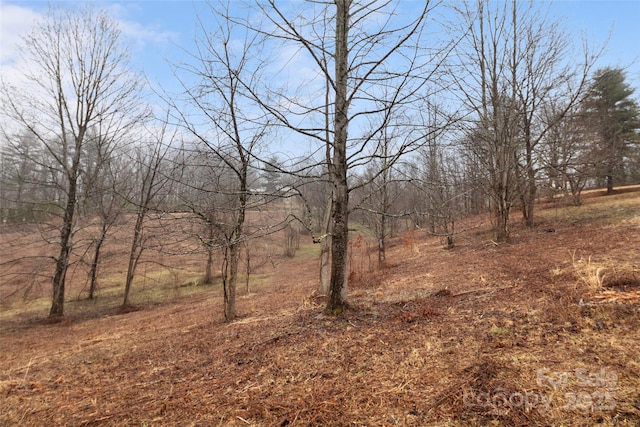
{"type": "Point", "coordinates": [543, 330]}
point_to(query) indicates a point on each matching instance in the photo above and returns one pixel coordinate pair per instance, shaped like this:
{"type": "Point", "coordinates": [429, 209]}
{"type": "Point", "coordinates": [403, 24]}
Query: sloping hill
{"type": "Point", "coordinates": [541, 331]}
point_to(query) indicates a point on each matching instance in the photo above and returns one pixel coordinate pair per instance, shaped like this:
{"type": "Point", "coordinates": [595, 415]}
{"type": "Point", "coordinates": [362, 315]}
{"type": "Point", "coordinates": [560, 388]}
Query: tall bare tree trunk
{"type": "Point", "coordinates": [338, 167]}
{"type": "Point", "coordinates": [62, 262]}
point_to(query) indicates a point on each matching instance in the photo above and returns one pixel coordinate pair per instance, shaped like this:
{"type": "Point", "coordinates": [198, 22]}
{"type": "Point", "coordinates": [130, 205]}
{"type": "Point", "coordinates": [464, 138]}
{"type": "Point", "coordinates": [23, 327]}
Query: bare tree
{"type": "Point", "coordinates": [490, 91]}
{"type": "Point", "coordinates": [514, 62]}
{"type": "Point", "coordinates": [546, 74]}
{"type": "Point", "coordinates": [79, 79]}
{"type": "Point", "coordinates": [147, 187]}
{"type": "Point", "coordinates": [379, 192]}
{"type": "Point", "coordinates": [204, 192]}
{"type": "Point", "coordinates": [315, 191]}
{"type": "Point", "coordinates": [226, 125]}
{"type": "Point", "coordinates": [202, 177]}
{"type": "Point", "coordinates": [439, 185]}
{"type": "Point", "coordinates": [350, 45]}
{"type": "Point", "coordinates": [384, 198]}
{"type": "Point", "coordinates": [565, 155]}
{"type": "Point", "coordinates": [107, 206]}
{"type": "Point", "coordinates": [24, 185]}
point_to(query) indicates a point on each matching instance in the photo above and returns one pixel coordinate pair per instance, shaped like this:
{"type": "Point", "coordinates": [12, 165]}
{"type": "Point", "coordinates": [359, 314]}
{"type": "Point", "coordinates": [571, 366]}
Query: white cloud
{"type": "Point", "coordinates": [139, 35]}
{"type": "Point", "coordinates": [144, 35]}
{"type": "Point", "coordinates": [15, 22]}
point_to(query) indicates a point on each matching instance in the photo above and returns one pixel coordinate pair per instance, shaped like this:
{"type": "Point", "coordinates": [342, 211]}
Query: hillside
{"type": "Point", "coordinates": [543, 330]}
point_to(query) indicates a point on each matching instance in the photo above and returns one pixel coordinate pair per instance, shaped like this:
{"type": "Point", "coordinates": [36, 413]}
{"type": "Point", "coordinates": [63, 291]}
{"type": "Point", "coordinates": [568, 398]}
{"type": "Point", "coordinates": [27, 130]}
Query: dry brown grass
{"type": "Point", "coordinates": [506, 335]}
{"type": "Point", "coordinates": [589, 273]}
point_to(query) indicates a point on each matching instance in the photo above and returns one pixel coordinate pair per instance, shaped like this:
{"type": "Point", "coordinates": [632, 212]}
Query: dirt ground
{"type": "Point", "coordinates": [543, 330]}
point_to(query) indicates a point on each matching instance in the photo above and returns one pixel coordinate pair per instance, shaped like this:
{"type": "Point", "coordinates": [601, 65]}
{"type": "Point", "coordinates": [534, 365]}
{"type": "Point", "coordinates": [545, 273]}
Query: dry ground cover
{"type": "Point", "coordinates": [541, 331]}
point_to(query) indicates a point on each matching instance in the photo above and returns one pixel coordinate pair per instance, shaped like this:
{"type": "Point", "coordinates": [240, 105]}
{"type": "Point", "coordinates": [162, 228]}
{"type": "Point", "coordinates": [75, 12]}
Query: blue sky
{"type": "Point", "coordinates": [600, 19]}
{"type": "Point", "coordinates": [158, 31]}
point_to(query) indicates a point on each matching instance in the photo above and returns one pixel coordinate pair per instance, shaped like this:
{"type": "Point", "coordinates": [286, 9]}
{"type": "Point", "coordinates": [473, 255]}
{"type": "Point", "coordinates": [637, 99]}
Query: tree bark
{"type": "Point", "coordinates": [231, 283]}
{"type": "Point", "coordinates": [325, 249]}
{"type": "Point", "coordinates": [134, 256]}
{"type": "Point", "coordinates": [148, 192]}
{"type": "Point", "coordinates": [235, 241]}
{"type": "Point", "coordinates": [57, 301]}
{"type": "Point", "coordinates": [62, 262]}
{"type": "Point", "coordinates": [338, 167]}
{"type": "Point", "coordinates": [93, 273]}
{"type": "Point", "coordinates": [208, 271]}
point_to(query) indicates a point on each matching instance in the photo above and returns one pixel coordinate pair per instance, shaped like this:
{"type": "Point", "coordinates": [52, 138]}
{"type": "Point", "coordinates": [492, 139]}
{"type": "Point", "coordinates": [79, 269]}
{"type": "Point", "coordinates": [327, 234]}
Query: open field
{"type": "Point", "coordinates": [541, 331]}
